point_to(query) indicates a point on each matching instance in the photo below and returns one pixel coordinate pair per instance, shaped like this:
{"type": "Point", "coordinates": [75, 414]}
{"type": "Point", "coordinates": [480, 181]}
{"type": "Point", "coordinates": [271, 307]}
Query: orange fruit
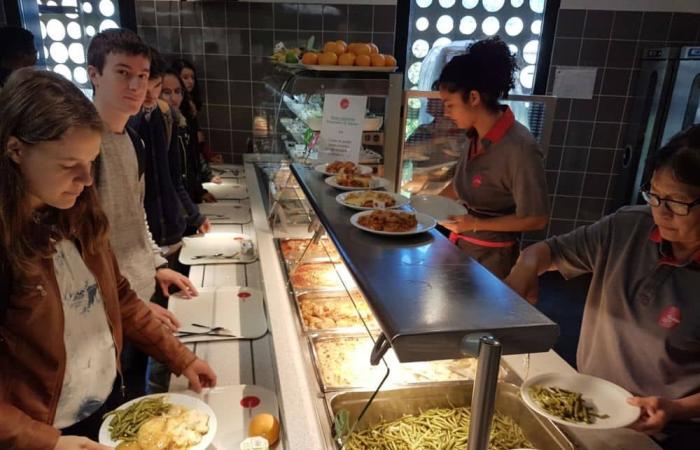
{"type": "Point", "coordinates": [346, 59]}
{"type": "Point", "coordinates": [362, 49]}
{"type": "Point", "coordinates": [341, 47]}
{"type": "Point", "coordinates": [330, 47]}
{"type": "Point", "coordinates": [389, 61]}
{"type": "Point", "coordinates": [310, 58]}
{"type": "Point", "coordinates": [363, 60]}
{"type": "Point", "coordinates": [328, 59]}
{"type": "Point", "coordinates": [373, 48]}
{"type": "Point", "coordinates": [265, 425]}
{"type": "Point", "coordinates": [377, 59]}
{"type": "Point", "coordinates": [352, 47]}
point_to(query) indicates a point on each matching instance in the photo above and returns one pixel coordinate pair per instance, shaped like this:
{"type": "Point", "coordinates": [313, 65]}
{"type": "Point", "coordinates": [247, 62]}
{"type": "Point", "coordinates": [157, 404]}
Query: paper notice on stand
{"type": "Point", "coordinates": [574, 82]}
{"type": "Point", "coordinates": [341, 129]}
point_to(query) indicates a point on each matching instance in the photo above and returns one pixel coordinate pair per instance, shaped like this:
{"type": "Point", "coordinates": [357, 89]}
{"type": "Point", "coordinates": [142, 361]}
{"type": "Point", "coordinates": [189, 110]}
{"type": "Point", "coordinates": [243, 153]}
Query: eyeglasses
{"type": "Point", "coordinates": [676, 207]}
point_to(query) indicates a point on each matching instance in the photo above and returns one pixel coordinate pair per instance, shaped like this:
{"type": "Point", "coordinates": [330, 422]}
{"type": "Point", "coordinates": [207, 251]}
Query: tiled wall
{"type": "Point", "coordinates": [229, 41]}
{"type": "Point", "coordinates": [586, 148]}
{"type": "Point", "coordinates": [3, 21]}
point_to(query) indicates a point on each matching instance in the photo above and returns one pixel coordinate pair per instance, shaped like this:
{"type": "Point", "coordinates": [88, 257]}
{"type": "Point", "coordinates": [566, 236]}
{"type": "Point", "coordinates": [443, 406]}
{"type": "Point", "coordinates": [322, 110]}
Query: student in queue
{"type": "Point", "coordinates": [500, 176]}
{"type": "Point", "coordinates": [641, 322]}
{"type": "Point", "coordinates": [64, 305]}
{"type": "Point", "coordinates": [188, 74]}
{"type": "Point", "coordinates": [17, 51]}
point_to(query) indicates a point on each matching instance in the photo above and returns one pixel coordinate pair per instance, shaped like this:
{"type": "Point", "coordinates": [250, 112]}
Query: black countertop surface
{"type": "Point", "coordinates": [426, 293]}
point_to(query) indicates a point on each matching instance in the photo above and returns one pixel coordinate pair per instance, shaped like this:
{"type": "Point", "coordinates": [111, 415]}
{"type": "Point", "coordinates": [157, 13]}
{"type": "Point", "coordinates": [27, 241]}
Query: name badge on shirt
{"type": "Point", "coordinates": [477, 180]}
{"type": "Point", "coordinates": [670, 317]}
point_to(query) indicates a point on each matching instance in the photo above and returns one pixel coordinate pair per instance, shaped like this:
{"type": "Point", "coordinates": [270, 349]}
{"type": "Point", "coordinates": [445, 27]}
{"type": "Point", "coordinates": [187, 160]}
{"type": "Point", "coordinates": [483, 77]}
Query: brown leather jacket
{"type": "Point", "coordinates": [32, 351]}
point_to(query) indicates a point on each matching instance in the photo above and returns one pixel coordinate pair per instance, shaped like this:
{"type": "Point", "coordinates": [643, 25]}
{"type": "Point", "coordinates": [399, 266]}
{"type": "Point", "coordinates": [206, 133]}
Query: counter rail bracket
{"type": "Point", "coordinates": [488, 350]}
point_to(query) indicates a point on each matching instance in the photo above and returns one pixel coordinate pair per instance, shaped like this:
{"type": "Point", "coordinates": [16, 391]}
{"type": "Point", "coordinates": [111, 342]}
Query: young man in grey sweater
{"type": "Point", "coordinates": [118, 65]}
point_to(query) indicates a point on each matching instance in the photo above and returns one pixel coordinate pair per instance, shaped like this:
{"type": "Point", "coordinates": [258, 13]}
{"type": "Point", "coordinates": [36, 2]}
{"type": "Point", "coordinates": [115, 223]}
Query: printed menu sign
{"type": "Point", "coordinates": [341, 129]}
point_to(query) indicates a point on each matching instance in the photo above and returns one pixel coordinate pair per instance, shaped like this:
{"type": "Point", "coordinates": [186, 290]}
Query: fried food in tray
{"type": "Point", "coordinates": [353, 180]}
{"type": "Point", "coordinates": [341, 166]}
{"type": "Point", "coordinates": [321, 276]}
{"type": "Point", "coordinates": [292, 249]}
{"type": "Point", "coordinates": [370, 199]}
{"type": "Point", "coordinates": [328, 311]}
{"type": "Point", "coordinates": [393, 221]}
{"type": "Point", "coordinates": [343, 362]}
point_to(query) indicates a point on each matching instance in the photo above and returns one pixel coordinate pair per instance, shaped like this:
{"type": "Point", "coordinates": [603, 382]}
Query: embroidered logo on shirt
{"type": "Point", "coordinates": [477, 180]}
{"type": "Point", "coordinates": [670, 317]}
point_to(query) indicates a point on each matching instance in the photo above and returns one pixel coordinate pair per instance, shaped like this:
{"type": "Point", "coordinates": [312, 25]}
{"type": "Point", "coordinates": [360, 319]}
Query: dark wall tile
{"type": "Point", "coordinates": [684, 27]}
{"type": "Point", "coordinates": [333, 36]}
{"type": "Point", "coordinates": [289, 37]}
{"type": "Point", "coordinates": [593, 52]}
{"type": "Point", "coordinates": [150, 36]}
{"type": "Point", "coordinates": [565, 51]}
{"type": "Point", "coordinates": [240, 141]}
{"type": "Point", "coordinates": [598, 24]}
{"type": "Point", "coordinates": [622, 54]}
{"type": "Point", "coordinates": [562, 110]}
{"type": "Point", "coordinates": [260, 67]}
{"type": "Point", "coordinates": [214, 14]}
{"type": "Point", "coordinates": [559, 227]}
{"type": "Point", "coordinates": [190, 14]}
{"type": "Point", "coordinates": [605, 135]}
{"type": "Point", "coordinates": [553, 160]}
{"type": "Point", "coordinates": [238, 42]}
{"type": "Point", "coordinates": [219, 117]}
{"type": "Point", "coordinates": [385, 42]}
{"type": "Point", "coordinates": [595, 185]}
{"type": "Point", "coordinates": [574, 159]}
{"type": "Point", "coordinates": [626, 25]}
{"type": "Point", "coordinates": [570, 183]}
{"type": "Point", "coordinates": [579, 134]}
{"type": "Point", "coordinates": [167, 14]}
{"type": "Point", "coordinates": [192, 41]}
{"type": "Point", "coordinates": [558, 132]}
{"type": "Point", "coordinates": [261, 16]}
{"type": "Point", "coordinates": [239, 68]}
{"type": "Point", "coordinates": [237, 14]}
{"type": "Point", "coordinates": [357, 36]}
{"type": "Point", "coordinates": [551, 177]}
{"type": "Point", "coordinates": [611, 109]}
{"type": "Point", "coordinates": [168, 40]}
{"type": "Point", "coordinates": [215, 41]}
{"type": "Point", "coordinates": [360, 18]}
{"type": "Point", "coordinates": [616, 81]}
{"type": "Point", "coordinates": [286, 16]}
{"type": "Point", "coordinates": [240, 93]}
{"type": "Point", "coordinates": [241, 118]}
{"type": "Point", "coordinates": [583, 109]}
{"type": "Point", "coordinates": [310, 17]}
{"type": "Point", "coordinates": [216, 67]}
{"type": "Point", "coordinates": [146, 13]}
{"type": "Point", "coordinates": [565, 207]}
{"type": "Point", "coordinates": [217, 92]}
{"type": "Point", "coordinates": [384, 18]}
{"type": "Point", "coordinates": [655, 26]}
{"type": "Point", "coordinates": [261, 42]}
{"type": "Point", "coordinates": [600, 160]}
{"type": "Point", "coordinates": [570, 23]}
{"type": "Point", "coordinates": [220, 141]}
{"type": "Point", "coordinates": [335, 18]}
{"type": "Point", "coordinates": [591, 208]}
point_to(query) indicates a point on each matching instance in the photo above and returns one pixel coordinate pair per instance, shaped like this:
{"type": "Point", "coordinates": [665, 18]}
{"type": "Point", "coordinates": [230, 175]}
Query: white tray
{"type": "Point", "coordinates": [348, 68]}
{"type": "Point", "coordinates": [226, 212]}
{"type": "Point", "coordinates": [228, 190]}
{"type": "Point", "coordinates": [437, 206]}
{"type": "Point", "coordinates": [225, 244]}
{"type": "Point", "coordinates": [239, 310]}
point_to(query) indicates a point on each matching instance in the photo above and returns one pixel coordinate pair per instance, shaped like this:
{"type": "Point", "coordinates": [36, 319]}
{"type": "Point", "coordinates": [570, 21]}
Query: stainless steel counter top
{"type": "Point", "coordinates": [425, 293]}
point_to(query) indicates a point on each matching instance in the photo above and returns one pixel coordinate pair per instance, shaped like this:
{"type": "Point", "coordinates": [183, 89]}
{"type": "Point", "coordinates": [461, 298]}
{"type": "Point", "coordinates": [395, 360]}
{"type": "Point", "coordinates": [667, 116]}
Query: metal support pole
{"type": "Point", "coordinates": [483, 405]}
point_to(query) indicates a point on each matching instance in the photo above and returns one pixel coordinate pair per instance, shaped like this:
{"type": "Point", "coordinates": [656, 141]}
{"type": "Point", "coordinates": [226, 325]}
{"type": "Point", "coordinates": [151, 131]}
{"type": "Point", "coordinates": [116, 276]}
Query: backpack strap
{"type": "Point", "coordinates": [140, 148]}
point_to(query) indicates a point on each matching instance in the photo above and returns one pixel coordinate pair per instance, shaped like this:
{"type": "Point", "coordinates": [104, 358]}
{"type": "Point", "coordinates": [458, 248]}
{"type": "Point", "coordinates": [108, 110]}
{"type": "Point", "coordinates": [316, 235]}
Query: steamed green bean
{"type": "Point", "coordinates": [566, 405]}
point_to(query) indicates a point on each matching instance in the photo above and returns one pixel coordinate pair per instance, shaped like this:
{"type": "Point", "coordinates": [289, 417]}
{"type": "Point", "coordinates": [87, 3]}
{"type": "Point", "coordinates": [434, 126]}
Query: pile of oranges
{"type": "Point", "coordinates": [356, 54]}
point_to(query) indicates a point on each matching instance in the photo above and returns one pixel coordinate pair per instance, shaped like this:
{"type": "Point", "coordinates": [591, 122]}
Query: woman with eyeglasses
{"type": "Point", "coordinates": [641, 322]}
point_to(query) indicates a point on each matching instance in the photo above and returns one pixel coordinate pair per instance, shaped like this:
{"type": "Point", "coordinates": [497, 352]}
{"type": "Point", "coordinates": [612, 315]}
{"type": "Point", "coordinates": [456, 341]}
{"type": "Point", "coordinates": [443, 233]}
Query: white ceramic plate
{"type": "Point", "coordinates": [400, 201]}
{"type": "Point", "coordinates": [363, 170]}
{"type": "Point", "coordinates": [437, 206]}
{"type": "Point", "coordinates": [375, 183]}
{"type": "Point", "coordinates": [425, 223]}
{"type": "Point", "coordinates": [607, 398]}
{"type": "Point", "coordinates": [176, 399]}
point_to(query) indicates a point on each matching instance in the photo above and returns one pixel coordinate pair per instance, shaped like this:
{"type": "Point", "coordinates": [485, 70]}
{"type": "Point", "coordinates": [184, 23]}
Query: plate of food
{"type": "Point", "coordinates": [160, 421]}
{"type": "Point", "coordinates": [437, 206]}
{"type": "Point", "coordinates": [393, 223]}
{"type": "Point", "coordinates": [366, 200]}
{"type": "Point", "coordinates": [581, 401]}
{"type": "Point", "coordinates": [343, 166]}
{"type": "Point", "coordinates": [351, 182]}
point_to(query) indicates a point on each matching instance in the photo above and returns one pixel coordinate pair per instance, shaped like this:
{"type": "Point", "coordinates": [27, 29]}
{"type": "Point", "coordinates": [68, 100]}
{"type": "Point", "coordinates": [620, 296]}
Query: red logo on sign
{"type": "Point", "coordinates": [250, 401]}
{"type": "Point", "coordinates": [670, 317]}
{"type": "Point", "coordinates": [344, 103]}
{"type": "Point", "coordinates": [477, 181]}
{"type": "Point", "coordinates": [243, 295]}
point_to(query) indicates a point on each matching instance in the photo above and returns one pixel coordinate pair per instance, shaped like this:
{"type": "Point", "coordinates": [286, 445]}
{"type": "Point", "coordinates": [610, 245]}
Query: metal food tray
{"type": "Point", "coordinates": [342, 296]}
{"type": "Point", "coordinates": [350, 282]}
{"type": "Point", "coordinates": [290, 260]}
{"type": "Point", "coordinates": [391, 404]}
